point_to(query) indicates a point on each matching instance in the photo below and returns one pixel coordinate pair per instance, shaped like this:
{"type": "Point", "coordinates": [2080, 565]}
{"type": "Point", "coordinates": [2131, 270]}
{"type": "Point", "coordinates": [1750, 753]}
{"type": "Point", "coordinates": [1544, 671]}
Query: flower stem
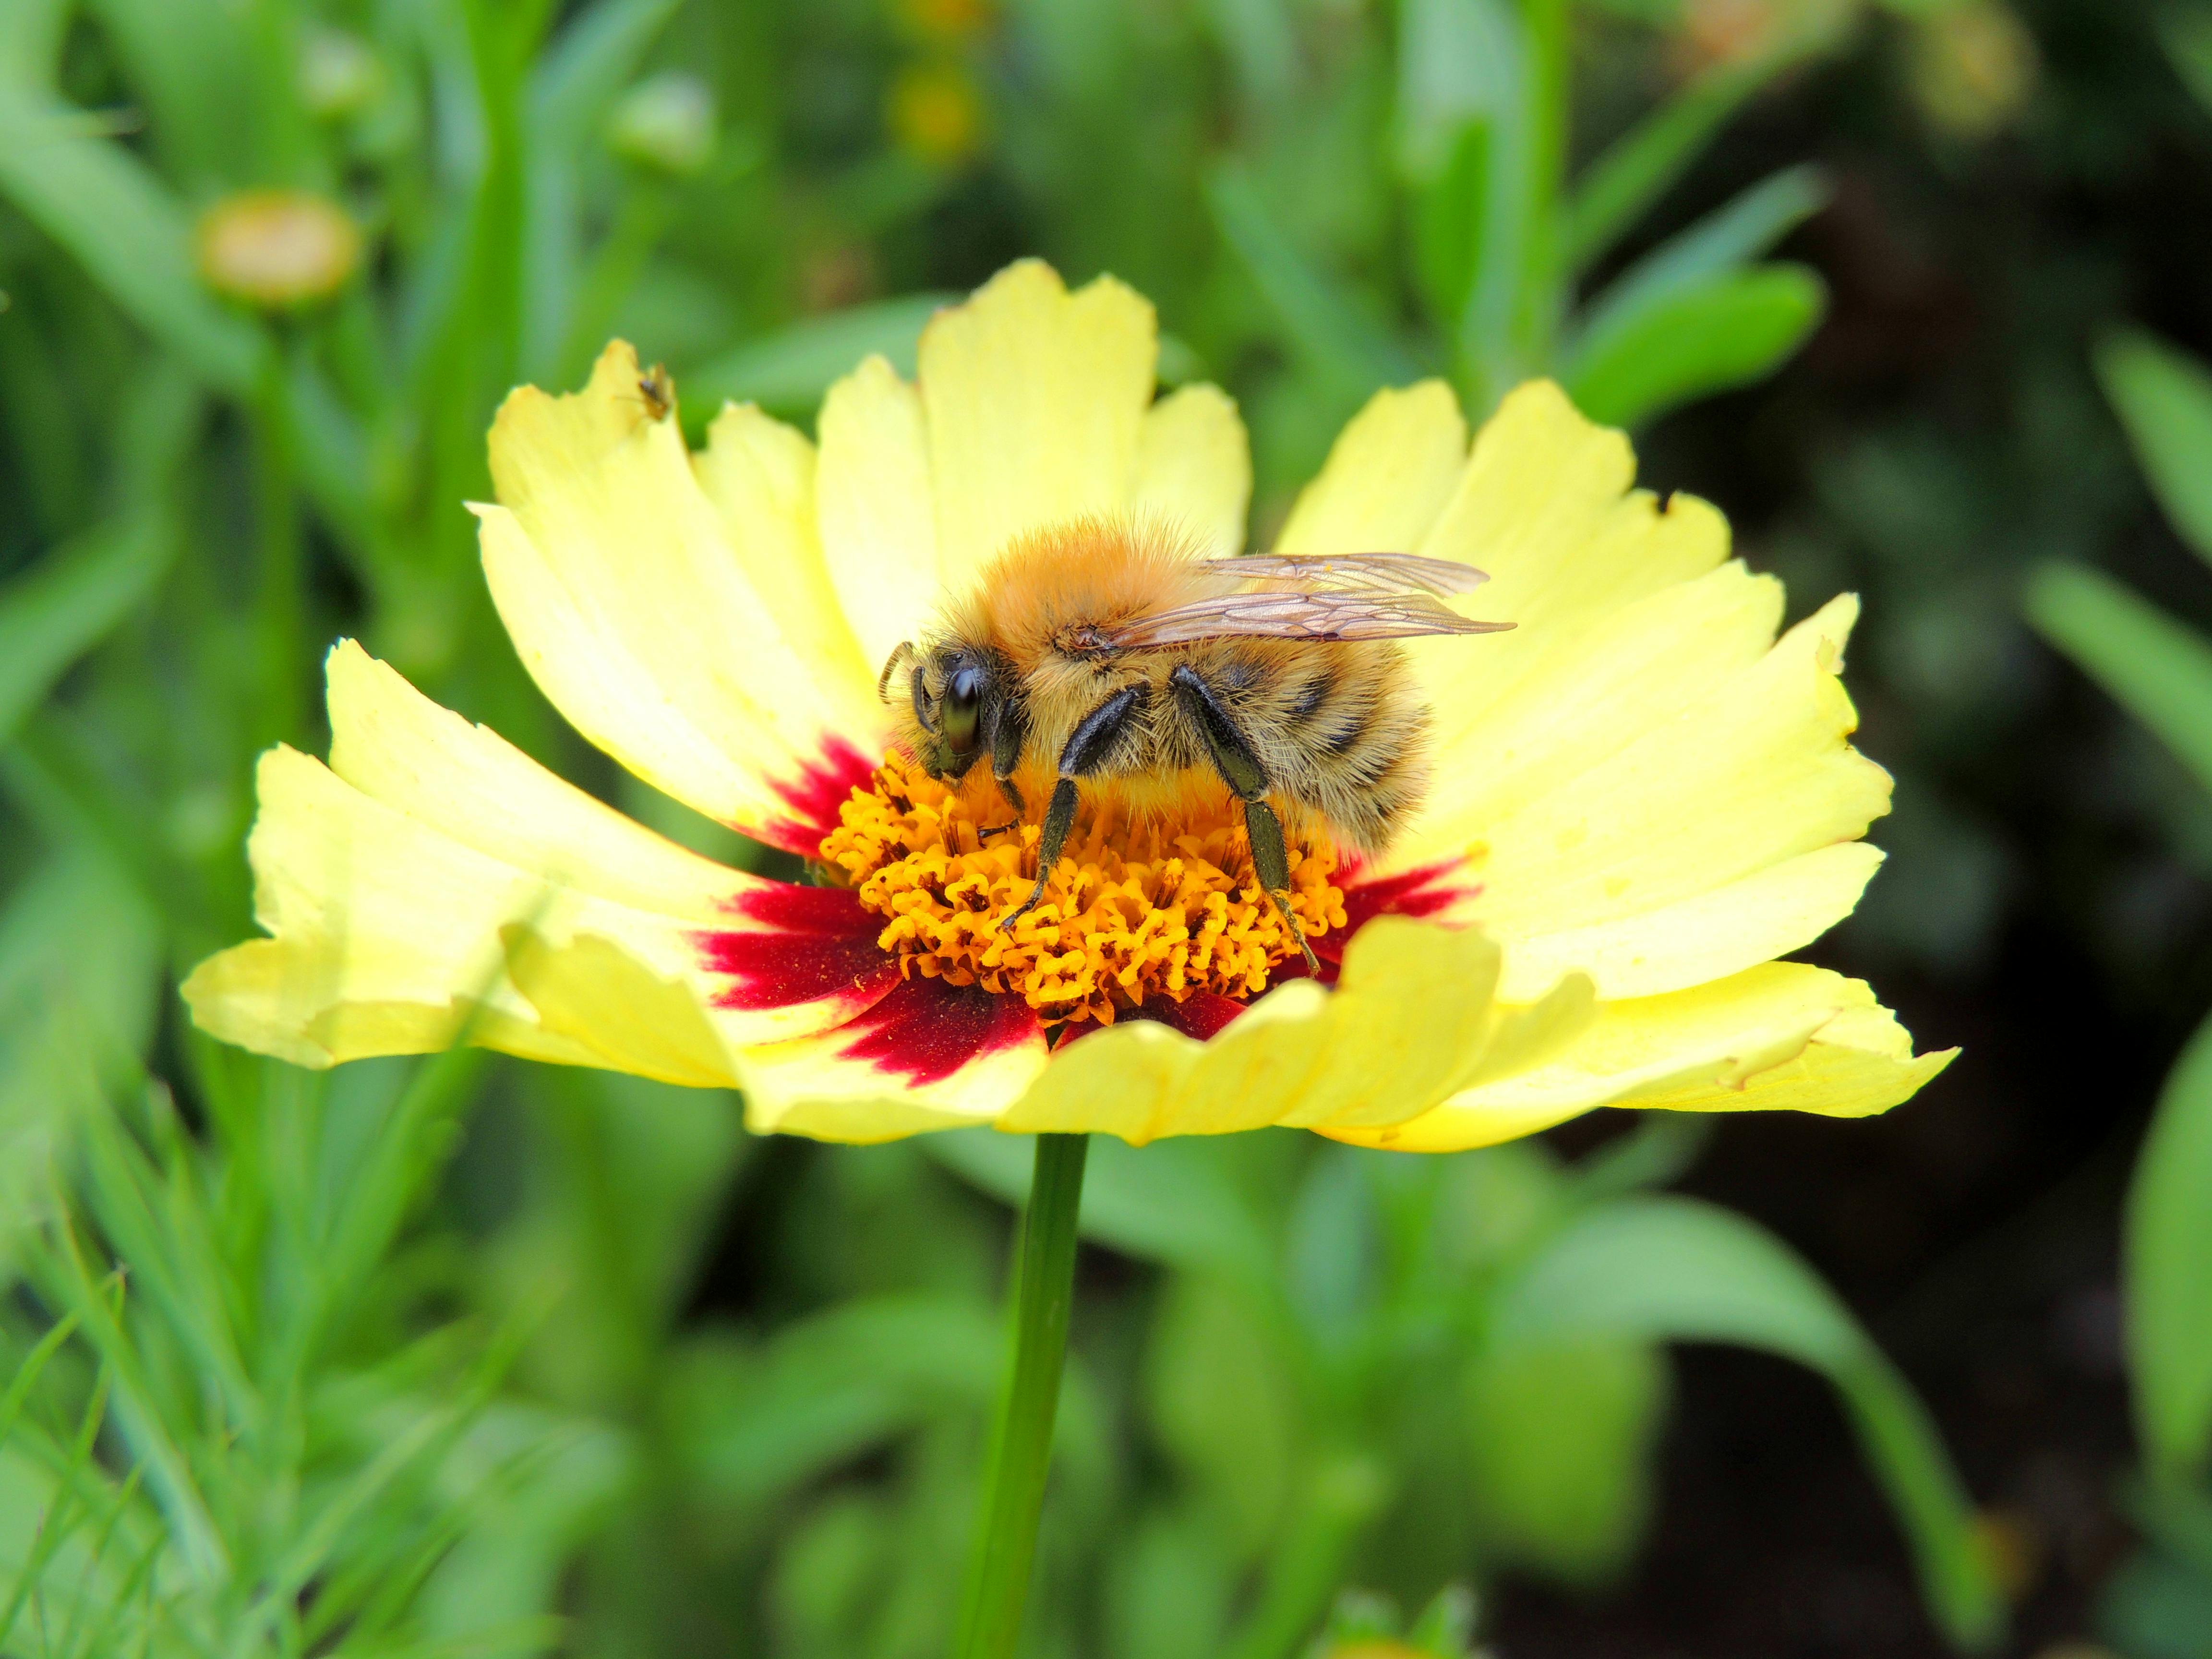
{"type": "Point", "coordinates": [1042, 1292]}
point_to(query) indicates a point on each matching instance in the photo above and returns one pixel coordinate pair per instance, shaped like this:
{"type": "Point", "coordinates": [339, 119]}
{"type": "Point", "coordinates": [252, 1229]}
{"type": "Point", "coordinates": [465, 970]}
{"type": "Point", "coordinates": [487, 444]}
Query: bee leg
{"type": "Point", "coordinates": [1271, 862]}
{"type": "Point", "coordinates": [1247, 779]}
{"type": "Point", "coordinates": [1059, 819]}
{"type": "Point", "coordinates": [1097, 738]}
{"type": "Point", "coordinates": [1009, 728]}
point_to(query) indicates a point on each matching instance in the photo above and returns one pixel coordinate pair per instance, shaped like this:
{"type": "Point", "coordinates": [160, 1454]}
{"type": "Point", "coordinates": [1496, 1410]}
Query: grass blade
{"type": "Point", "coordinates": [2157, 669]}
{"type": "Point", "coordinates": [64, 605]}
{"type": "Point", "coordinates": [1674, 1269]}
{"type": "Point", "coordinates": [2168, 1245]}
{"type": "Point", "coordinates": [1727, 331]}
{"type": "Point", "coordinates": [2164, 397]}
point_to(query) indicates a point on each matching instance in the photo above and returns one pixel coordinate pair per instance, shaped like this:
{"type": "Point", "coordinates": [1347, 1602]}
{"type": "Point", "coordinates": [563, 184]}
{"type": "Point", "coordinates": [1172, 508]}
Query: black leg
{"type": "Point", "coordinates": [1241, 770]}
{"type": "Point", "coordinates": [1010, 730]}
{"type": "Point", "coordinates": [1089, 748]}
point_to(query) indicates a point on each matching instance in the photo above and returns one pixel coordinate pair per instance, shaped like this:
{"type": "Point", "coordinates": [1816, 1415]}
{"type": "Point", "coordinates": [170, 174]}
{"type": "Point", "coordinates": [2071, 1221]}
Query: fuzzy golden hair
{"type": "Point", "coordinates": [1338, 726]}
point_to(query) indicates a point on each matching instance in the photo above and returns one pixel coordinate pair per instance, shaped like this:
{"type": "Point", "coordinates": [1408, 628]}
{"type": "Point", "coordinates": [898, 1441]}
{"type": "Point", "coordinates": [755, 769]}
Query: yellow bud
{"type": "Point", "coordinates": [946, 20]}
{"type": "Point", "coordinates": [278, 248]}
{"type": "Point", "coordinates": [1974, 65]}
{"type": "Point", "coordinates": [935, 114]}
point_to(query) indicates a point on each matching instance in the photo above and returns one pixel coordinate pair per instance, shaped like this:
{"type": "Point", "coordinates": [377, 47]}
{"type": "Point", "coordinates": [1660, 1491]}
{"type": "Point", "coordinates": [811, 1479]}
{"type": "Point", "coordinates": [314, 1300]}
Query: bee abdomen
{"type": "Point", "coordinates": [1355, 737]}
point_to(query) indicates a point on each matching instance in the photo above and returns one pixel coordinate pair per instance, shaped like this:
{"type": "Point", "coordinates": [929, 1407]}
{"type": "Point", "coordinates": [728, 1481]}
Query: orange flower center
{"type": "Point", "coordinates": [1164, 905]}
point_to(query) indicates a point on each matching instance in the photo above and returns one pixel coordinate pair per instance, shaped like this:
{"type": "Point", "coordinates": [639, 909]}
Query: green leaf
{"type": "Point", "coordinates": [79, 961]}
{"type": "Point", "coordinates": [2168, 1253]}
{"type": "Point", "coordinates": [829, 1388]}
{"type": "Point", "coordinates": [1450, 213]}
{"type": "Point", "coordinates": [1626, 182]}
{"type": "Point", "coordinates": [1727, 330]}
{"type": "Point", "coordinates": [2157, 669]}
{"type": "Point", "coordinates": [1322, 322]}
{"type": "Point", "coordinates": [589, 63]}
{"type": "Point", "coordinates": [122, 224]}
{"type": "Point", "coordinates": [1458, 65]}
{"type": "Point", "coordinates": [1725, 239]}
{"type": "Point", "coordinates": [2186, 34]}
{"type": "Point", "coordinates": [1653, 1269]}
{"type": "Point", "coordinates": [1560, 1441]}
{"type": "Point", "coordinates": [1169, 1203]}
{"type": "Point", "coordinates": [63, 607]}
{"type": "Point", "coordinates": [574, 82]}
{"type": "Point", "coordinates": [30, 33]}
{"type": "Point", "coordinates": [2163, 397]}
{"type": "Point", "coordinates": [1222, 1400]}
{"type": "Point", "coordinates": [791, 369]}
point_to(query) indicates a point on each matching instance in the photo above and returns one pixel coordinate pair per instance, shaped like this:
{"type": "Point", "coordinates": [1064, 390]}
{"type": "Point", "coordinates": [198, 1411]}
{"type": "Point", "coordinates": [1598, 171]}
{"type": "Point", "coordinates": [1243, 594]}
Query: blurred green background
{"type": "Point", "coordinates": [474, 1358]}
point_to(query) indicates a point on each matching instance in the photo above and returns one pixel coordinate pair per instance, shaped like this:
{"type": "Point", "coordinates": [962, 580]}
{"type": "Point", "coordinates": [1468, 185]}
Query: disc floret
{"type": "Point", "coordinates": [1140, 908]}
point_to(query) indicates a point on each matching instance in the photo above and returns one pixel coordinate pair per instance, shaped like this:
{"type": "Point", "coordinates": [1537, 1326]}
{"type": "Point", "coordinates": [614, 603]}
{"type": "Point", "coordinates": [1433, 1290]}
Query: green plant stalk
{"type": "Point", "coordinates": [1042, 1294]}
{"type": "Point", "coordinates": [282, 622]}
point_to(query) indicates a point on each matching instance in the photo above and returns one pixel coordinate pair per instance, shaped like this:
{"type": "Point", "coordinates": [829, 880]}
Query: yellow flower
{"type": "Point", "coordinates": [1641, 797]}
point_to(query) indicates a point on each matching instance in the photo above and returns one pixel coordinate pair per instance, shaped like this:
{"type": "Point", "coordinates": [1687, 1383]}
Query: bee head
{"type": "Point", "coordinates": [954, 693]}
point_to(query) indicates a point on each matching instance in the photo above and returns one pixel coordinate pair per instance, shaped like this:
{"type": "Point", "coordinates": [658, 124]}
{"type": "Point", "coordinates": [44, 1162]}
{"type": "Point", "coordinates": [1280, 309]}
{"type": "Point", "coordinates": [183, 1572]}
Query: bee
{"type": "Point", "coordinates": [657, 391]}
{"type": "Point", "coordinates": [1129, 666]}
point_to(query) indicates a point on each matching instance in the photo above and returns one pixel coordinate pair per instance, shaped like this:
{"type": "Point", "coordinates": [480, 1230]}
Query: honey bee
{"type": "Point", "coordinates": [657, 391]}
{"type": "Point", "coordinates": [1134, 669]}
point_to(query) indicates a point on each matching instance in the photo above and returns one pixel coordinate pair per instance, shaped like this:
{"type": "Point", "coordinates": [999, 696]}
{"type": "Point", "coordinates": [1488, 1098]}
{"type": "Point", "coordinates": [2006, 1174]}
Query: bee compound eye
{"type": "Point", "coordinates": [963, 706]}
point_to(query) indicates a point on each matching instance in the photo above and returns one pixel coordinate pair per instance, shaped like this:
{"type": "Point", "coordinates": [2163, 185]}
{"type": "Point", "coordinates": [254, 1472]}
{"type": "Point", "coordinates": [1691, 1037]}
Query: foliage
{"type": "Point", "coordinates": [2159, 669]}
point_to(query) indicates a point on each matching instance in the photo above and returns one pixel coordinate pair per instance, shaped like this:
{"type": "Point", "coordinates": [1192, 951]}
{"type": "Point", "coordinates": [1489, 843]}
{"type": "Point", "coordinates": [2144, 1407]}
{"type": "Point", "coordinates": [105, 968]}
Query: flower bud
{"type": "Point", "coordinates": [277, 248]}
{"type": "Point", "coordinates": [1974, 67]}
{"type": "Point", "coordinates": [933, 113]}
{"type": "Point", "coordinates": [339, 73]}
{"type": "Point", "coordinates": [665, 121]}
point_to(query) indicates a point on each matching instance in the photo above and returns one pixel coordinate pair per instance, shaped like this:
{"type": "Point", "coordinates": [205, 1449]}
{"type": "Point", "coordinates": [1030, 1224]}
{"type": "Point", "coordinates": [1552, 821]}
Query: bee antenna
{"type": "Point", "coordinates": [901, 654]}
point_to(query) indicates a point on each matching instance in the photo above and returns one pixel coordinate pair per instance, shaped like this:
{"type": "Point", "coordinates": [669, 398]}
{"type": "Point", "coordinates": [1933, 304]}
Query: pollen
{"type": "Point", "coordinates": [1141, 908]}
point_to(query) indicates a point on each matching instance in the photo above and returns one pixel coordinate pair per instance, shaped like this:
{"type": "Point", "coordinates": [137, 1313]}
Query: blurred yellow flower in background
{"type": "Point", "coordinates": [935, 113]}
{"type": "Point", "coordinates": [1641, 796]}
{"type": "Point", "coordinates": [1974, 67]}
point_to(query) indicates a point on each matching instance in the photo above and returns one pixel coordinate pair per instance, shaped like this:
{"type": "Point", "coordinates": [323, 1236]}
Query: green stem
{"type": "Point", "coordinates": [1042, 1292]}
{"type": "Point", "coordinates": [281, 622]}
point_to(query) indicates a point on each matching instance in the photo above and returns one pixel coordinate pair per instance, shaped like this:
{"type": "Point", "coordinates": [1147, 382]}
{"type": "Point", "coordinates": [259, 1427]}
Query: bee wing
{"type": "Point", "coordinates": [1381, 572]}
{"type": "Point", "coordinates": [1292, 616]}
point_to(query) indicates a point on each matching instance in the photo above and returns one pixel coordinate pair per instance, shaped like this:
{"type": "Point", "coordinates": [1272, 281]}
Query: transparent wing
{"type": "Point", "coordinates": [1292, 615]}
{"type": "Point", "coordinates": [1378, 573]}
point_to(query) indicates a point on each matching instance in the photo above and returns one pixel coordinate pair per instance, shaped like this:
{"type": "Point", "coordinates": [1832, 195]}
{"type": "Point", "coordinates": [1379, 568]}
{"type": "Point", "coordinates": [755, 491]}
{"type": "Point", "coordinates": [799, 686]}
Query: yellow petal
{"type": "Point", "coordinates": [1033, 398]}
{"type": "Point", "coordinates": [1411, 1020]}
{"type": "Point", "coordinates": [1779, 1035]}
{"type": "Point", "coordinates": [759, 474]}
{"type": "Point", "coordinates": [1194, 468]}
{"type": "Point", "coordinates": [616, 577]}
{"type": "Point", "coordinates": [414, 885]}
{"type": "Point", "coordinates": [928, 1056]}
{"type": "Point", "coordinates": [1544, 506]}
{"type": "Point", "coordinates": [1629, 672]}
{"type": "Point", "coordinates": [1391, 471]}
{"type": "Point", "coordinates": [1707, 936]}
{"type": "Point", "coordinates": [877, 507]}
{"type": "Point", "coordinates": [1755, 772]}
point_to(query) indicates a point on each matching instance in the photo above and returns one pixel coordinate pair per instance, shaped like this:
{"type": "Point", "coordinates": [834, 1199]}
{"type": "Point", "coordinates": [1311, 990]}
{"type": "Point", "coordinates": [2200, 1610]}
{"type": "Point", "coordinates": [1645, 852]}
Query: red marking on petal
{"type": "Point", "coordinates": [1201, 1014]}
{"type": "Point", "coordinates": [813, 797]}
{"type": "Point", "coordinates": [1421, 892]}
{"type": "Point", "coordinates": [924, 1031]}
{"type": "Point", "coordinates": [819, 943]}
